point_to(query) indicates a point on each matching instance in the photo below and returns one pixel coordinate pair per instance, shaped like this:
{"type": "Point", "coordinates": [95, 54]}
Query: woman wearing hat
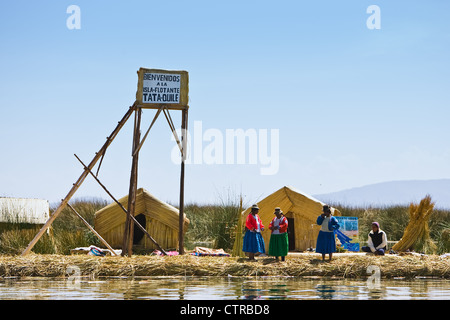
{"type": "Point", "coordinates": [376, 241]}
{"type": "Point", "coordinates": [253, 240]}
{"type": "Point", "coordinates": [326, 240]}
{"type": "Point", "coordinates": [279, 243]}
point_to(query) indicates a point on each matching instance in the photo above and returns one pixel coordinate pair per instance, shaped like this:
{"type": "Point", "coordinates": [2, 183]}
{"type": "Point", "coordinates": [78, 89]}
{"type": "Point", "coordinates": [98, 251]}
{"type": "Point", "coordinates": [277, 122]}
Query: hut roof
{"type": "Point", "coordinates": [292, 200]}
{"type": "Point", "coordinates": [112, 215]}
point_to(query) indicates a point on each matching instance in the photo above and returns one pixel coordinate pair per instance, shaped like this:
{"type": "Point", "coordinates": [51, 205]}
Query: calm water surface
{"type": "Point", "coordinates": [217, 288]}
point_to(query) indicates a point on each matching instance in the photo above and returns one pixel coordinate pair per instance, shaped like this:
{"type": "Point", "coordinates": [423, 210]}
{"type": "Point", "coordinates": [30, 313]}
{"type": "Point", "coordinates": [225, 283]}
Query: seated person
{"type": "Point", "coordinates": [377, 240]}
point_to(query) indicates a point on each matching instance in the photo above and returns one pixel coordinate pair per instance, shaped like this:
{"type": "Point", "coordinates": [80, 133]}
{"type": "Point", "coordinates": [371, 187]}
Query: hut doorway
{"type": "Point", "coordinates": [138, 234]}
{"type": "Point", "coordinates": [291, 234]}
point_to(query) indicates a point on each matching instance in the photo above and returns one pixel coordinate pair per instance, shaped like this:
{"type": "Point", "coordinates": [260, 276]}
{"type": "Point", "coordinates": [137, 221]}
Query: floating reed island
{"type": "Point", "coordinates": [297, 265]}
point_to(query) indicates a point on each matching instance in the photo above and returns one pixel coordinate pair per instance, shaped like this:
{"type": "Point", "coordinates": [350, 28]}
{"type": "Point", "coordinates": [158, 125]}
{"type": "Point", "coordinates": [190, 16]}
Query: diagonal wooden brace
{"type": "Point", "coordinates": [80, 180]}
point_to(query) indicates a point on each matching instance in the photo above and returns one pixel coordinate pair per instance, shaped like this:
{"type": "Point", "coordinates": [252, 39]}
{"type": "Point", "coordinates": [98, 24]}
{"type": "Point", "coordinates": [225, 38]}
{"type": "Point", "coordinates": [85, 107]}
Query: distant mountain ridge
{"type": "Point", "coordinates": [392, 193]}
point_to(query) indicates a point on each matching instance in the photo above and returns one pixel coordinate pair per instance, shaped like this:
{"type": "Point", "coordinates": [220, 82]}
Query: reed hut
{"type": "Point", "coordinates": [157, 217]}
{"type": "Point", "coordinates": [300, 209]}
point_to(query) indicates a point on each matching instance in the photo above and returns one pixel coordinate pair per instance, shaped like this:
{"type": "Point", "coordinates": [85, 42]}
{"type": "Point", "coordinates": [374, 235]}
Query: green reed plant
{"type": "Point", "coordinates": [67, 231]}
{"type": "Point", "coordinates": [213, 224]}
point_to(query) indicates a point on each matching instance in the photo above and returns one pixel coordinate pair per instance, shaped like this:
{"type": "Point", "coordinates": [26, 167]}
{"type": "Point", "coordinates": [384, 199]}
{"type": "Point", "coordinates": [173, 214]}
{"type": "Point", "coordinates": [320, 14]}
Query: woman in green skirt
{"type": "Point", "coordinates": [279, 244]}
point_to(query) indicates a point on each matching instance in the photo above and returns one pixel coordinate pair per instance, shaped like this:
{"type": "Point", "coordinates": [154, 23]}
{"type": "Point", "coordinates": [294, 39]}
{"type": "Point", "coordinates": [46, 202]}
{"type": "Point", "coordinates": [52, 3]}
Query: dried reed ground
{"type": "Point", "coordinates": [187, 265]}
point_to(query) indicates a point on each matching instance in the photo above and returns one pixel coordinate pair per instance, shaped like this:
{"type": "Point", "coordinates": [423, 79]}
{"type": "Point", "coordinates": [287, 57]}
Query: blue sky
{"type": "Point", "coordinates": [353, 106]}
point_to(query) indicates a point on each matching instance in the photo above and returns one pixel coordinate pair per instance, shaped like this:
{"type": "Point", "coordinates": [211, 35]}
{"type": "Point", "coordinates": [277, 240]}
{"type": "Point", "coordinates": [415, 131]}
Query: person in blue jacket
{"type": "Point", "coordinates": [326, 240]}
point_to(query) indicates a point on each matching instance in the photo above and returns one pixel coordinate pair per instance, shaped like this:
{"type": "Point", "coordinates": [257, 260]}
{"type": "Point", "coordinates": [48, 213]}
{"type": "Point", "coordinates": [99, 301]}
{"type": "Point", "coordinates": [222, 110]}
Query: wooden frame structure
{"type": "Point", "coordinates": [163, 80]}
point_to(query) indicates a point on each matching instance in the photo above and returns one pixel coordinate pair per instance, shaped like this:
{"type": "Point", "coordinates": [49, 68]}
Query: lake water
{"type": "Point", "coordinates": [219, 288]}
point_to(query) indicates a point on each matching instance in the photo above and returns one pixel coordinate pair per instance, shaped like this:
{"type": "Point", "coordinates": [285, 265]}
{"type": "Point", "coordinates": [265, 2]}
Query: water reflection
{"type": "Point", "coordinates": [204, 288]}
{"type": "Point", "coordinates": [325, 291]}
{"type": "Point", "coordinates": [266, 288]}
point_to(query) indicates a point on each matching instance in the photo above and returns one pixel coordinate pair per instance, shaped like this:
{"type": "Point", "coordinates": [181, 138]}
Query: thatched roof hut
{"type": "Point", "coordinates": [157, 217]}
{"type": "Point", "coordinates": [300, 209]}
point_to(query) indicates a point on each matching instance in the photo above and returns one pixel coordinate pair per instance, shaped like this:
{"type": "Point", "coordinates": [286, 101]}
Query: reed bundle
{"type": "Point", "coordinates": [417, 233]}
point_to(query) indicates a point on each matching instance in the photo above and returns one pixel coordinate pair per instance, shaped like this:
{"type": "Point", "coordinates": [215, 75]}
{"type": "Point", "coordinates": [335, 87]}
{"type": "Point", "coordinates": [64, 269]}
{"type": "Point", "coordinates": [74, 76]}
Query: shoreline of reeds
{"type": "Point", "coordinates": [303, 265]}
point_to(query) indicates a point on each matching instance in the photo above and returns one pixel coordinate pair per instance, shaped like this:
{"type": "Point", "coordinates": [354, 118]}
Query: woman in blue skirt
{"type": "Point", "coordinates": [326, 241]}
{"type": "Point", "coordinates": [253, 240]}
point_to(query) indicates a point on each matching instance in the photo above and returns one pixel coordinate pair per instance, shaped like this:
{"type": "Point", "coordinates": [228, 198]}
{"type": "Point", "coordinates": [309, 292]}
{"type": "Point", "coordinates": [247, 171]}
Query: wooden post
{"type": "Point", "coordinates": [80, 180]}
{"type": "Point", "coordinates": [123, 209]}
{"type": "Point", "coordinates": [183, 158]}
{"type": "Point", "coordinates": [127, 245]}
{"type": "Point", "coordinates": [113, 253]}
{"type": "Point", "coordinates": [146, 134]}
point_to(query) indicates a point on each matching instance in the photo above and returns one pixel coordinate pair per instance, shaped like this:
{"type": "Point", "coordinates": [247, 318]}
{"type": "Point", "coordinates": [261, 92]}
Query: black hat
{"type": "Point", "coordinates": [326, 208]}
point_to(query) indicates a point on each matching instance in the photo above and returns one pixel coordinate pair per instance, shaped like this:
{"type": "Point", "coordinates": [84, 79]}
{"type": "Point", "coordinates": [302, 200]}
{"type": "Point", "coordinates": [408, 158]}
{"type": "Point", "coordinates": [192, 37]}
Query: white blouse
{"type": "Point", "coordinates": [276, 223]}
{"type": "Point", "coordinates": [258, 226]}
{"type": "Point", "coordinates": [325, 224]}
